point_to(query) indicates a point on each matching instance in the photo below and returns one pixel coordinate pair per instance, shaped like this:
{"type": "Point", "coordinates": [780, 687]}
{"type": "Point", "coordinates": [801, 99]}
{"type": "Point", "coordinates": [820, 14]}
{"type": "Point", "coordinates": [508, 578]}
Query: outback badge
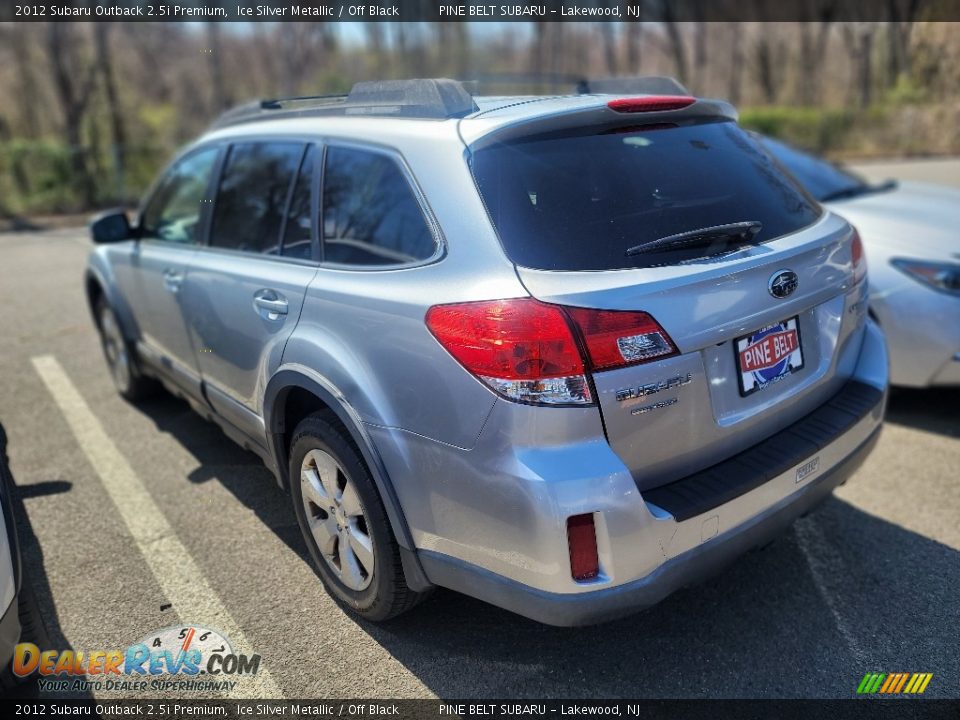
{"type": "Point", "coordinates": [655, 387]}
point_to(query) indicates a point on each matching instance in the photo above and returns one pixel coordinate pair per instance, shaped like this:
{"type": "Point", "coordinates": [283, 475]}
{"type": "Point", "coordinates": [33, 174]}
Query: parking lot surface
{"type": "Point", "coordinates": [138, 517]}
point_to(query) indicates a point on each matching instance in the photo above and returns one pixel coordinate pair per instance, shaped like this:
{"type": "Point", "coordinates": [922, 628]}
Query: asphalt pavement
{"type": "Point", "coordinates": [139, 517]}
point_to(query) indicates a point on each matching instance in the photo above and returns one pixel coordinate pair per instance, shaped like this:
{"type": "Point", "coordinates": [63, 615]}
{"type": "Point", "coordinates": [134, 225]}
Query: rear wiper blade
{"type": "Point", "coordinates": [744, 231]}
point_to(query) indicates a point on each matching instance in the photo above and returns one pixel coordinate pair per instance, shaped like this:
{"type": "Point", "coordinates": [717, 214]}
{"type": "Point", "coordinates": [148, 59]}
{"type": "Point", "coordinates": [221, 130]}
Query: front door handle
{"type": "Point", "coordinates": [270, 304]}
{"type": "Point", "coordinates": [172, 280]}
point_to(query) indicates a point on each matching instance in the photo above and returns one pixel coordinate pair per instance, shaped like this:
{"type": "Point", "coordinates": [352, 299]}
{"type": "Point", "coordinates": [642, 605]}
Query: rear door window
{"type": "Point", "coordinates": [371, 215]}
{"type": "Point", "coordinates": [579, 200]}
{"type": "Point", "coordinates": [254, 189]}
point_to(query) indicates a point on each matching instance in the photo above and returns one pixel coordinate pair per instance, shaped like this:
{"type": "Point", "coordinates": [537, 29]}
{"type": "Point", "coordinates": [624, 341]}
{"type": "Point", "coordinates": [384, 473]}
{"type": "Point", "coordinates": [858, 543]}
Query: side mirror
{"type": "Point", "coordinates": [110, 227]}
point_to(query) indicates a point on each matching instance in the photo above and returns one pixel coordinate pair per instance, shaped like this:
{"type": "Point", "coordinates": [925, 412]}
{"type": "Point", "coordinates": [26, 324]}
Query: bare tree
{"type": "Point", "coordinates": [677, 44]}
{"type": "Point", "coordinates": [609, 47]}
{"type": "Point", "coordinates": [735, 75]}
{"type": "Point", "coordinates": [74, 79]}
{"type": "Point", "coordinates": [221, 96]}
{"type": "Point", "coordinates": [859, 38]}
{"type": "Point", "coordinates": [118, 139]}
{"type": "Point", "coordinates": [634, 41]}
{"type": "Point", "coordinates": [902, 15]}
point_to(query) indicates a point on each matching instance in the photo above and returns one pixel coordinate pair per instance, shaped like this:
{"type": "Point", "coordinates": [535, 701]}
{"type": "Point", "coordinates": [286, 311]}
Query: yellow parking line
{"type": "Point", "coordinates": [168, 559]}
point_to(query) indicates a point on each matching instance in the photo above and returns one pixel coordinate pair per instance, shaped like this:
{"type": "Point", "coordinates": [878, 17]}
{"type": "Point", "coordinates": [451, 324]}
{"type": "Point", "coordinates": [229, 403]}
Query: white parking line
{"type": "Point", "coordinates": [168, 559]}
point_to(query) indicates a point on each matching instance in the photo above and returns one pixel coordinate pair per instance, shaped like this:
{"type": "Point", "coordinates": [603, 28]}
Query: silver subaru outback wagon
{"type": "Point", "coordinates": [565, 354]}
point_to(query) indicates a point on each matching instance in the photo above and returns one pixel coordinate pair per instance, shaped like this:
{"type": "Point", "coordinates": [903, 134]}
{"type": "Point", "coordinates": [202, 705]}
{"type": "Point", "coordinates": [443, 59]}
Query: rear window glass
{"type": "Point", "coordinates": [579, 200]}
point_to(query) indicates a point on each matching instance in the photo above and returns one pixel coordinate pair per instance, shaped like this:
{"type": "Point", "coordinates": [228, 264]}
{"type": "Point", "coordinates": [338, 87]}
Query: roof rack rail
{"type": "Point", "coordinates": [433, 98]}
{"type": "Point", "coordinates": [641, 85]}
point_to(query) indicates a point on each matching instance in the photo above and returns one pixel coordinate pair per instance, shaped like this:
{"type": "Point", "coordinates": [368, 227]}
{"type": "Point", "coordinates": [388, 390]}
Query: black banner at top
{"type": "Point", "coordinates": [480, 10]}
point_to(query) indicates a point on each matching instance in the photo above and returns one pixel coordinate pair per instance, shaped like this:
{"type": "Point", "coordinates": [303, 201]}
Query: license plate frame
{"type": "Point", "coordinates": [777, 353]}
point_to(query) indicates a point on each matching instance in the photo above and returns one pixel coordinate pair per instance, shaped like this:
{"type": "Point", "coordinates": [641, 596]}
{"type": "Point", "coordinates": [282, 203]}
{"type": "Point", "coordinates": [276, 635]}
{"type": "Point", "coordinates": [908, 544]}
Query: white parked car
{"type": "Point", "coordinates": [911, 237]}
{"type": "Point", "coordinates": [20, 618]}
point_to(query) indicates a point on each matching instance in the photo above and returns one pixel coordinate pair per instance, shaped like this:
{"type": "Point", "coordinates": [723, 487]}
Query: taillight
{"type": "Point", "coordinates": [857, 258]}
{"type": "Point", "coordinates": [522, 348]}
{"type": "Point", "coordinates": [616, 338]}
{"type": "Point", "coordinates": [582, 540]}
{"type": "Point", "coordinates": [527, 350]}
{"type": "Point", "coordinates": [651, 103]}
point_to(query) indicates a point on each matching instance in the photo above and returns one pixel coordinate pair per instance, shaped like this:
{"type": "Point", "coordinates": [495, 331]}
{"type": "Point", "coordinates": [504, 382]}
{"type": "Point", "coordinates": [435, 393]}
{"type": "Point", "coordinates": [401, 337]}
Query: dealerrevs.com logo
{"type": "Point", "coordinates": [181, 658]}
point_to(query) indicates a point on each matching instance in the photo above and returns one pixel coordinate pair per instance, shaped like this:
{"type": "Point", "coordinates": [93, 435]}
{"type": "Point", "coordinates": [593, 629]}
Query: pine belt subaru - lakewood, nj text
{"type": "Point", "coordinates": [565, 354]}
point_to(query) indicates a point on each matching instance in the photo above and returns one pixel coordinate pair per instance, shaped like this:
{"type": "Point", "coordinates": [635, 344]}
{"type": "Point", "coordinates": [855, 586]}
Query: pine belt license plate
{"type": "Point", "coordinates": [768, 355]}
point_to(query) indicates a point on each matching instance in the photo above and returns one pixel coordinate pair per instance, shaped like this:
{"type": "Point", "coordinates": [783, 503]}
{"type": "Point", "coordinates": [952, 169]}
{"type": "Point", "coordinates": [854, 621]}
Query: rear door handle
{"type": "Point", "coordinates": [270, 304]}
{"type": "Point", "coordinates": [172, 280]}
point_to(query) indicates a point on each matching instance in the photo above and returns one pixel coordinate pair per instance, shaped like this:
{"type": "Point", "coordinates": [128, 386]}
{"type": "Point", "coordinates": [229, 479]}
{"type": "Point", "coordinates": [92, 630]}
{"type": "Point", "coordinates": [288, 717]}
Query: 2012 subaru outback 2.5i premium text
{"type": "Point", "coordinates": [565, 354]}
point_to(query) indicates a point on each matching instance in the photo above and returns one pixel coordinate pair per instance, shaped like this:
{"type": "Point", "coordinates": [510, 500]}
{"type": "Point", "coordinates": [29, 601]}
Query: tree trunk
{"type": "Point", "coordinates": [118, 134]}
{"type": "Point", "coordinates": [26, 81]}
{"type": "Point", "coordinates": [766, 75]}
{"type": "Point", "coordinates": [221, 98]}
{"type": "Point", "coordinates": [677, 45]}
{"type": "Point", "coordinates": [73, 97]}
{"type": "Point", "coordinates": [609, 47]}
{"type": "Point", "coordinates": [634, 40]}
{"type": "Point", "coordinates": [735, 76]}
{"type": "Point", "coordinates": [866, 67]}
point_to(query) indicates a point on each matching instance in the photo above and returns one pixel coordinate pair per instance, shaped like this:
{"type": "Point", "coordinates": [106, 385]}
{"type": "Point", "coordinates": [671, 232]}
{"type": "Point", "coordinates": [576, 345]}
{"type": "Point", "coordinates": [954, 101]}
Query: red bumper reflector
{"type": "Point", "coordinates": [582, 539]}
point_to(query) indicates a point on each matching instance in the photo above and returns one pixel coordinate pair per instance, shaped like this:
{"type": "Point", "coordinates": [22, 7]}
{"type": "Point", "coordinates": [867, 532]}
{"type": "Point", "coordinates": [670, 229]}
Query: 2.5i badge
{"type": "Point", "coordinates": [768, 355]}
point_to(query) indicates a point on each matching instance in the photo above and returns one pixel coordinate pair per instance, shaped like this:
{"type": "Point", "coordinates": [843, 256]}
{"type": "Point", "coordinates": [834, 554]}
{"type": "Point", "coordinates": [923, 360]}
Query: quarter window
{"type": "Point", "coordinates": [370, 213]}
{"type": "Point", "coordinates": [253, 195]}
{"type": "Point", "coordinates": [173, 213]}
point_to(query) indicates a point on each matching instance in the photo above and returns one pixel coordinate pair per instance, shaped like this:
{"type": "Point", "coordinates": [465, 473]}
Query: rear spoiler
{"type": "Point", "coordinates": [589, 111]}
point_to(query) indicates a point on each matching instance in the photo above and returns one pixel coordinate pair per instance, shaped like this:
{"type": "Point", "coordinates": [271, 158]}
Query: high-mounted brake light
{"type": "Point", "coordinates": [857, 258]}
{"type": "Point", "coordinates": [528, 351]}
{"type": "Point", "coordinates": [582, 541]}
{"type": "Point", "coordinates": [651, 103]}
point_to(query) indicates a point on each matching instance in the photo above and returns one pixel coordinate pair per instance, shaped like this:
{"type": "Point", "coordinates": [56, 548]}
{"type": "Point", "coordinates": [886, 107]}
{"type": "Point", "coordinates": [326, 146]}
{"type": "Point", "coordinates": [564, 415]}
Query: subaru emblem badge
{"type": "Point", "coordinates": [783, 283]}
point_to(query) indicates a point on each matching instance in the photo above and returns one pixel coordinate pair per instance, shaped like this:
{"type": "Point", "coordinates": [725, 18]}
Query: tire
{"type": "Point", "coordinates": [128, 380]}
{"type": "Point", "coordinates": [32, 630]}
{"type": "Point", "coordinates": [345, 512]}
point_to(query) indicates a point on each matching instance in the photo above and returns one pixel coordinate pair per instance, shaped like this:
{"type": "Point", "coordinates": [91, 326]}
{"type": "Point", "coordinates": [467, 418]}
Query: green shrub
{"type": "Point", "coordinates": [816, 129]}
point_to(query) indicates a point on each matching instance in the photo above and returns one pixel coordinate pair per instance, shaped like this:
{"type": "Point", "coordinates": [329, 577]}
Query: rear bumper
{"type": "Point", "coordinates": [610, 603]}
{"type": "Point", "coordinates": [649, 549]}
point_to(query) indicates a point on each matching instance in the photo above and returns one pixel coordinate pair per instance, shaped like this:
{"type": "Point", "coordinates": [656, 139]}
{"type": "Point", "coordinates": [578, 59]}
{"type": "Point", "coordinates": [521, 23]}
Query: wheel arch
{"type": "Point", "coordinates": [97, 285]}
{"type": "Point", "coordinates": [295, 383]}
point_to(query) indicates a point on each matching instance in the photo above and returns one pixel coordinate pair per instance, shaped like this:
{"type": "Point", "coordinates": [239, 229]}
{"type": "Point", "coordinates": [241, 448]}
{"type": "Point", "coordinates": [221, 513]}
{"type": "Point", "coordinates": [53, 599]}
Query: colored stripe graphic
{"type": "Point", "coordinates": [903, 680]}
{"type": "Point", "coordinates": [870, 683]}
{"type": "Point", "coordinates": [894, 683]}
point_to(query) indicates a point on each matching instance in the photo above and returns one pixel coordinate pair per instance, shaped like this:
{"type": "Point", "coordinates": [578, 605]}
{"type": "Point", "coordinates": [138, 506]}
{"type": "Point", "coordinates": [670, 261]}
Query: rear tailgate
{"type": "Point", "coordinates": [572, 203]}
{"type": "Point", "coordinates": [672, 417]}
